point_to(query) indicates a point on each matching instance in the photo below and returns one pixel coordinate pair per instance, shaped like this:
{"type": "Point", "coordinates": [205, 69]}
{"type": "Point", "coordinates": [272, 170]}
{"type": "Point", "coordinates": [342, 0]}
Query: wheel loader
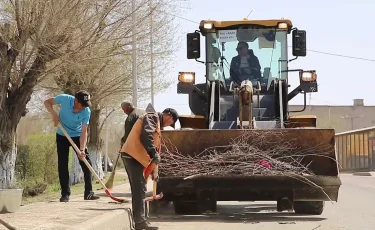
{"type": "Point", "coordinates": [253, 99]}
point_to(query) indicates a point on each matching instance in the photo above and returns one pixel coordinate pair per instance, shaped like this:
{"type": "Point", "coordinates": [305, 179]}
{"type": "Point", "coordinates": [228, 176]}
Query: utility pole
{"type": "Point", "coordinates": [151, 55]}
{"type": "Point", "coordinates": [106, 144]}
{"type": "Point", "coordinates": [134, 57]}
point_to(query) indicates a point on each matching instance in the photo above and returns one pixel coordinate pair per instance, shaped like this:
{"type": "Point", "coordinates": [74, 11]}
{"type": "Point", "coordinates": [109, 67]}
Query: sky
{"type": "Point", "coordinates": [339, 27]}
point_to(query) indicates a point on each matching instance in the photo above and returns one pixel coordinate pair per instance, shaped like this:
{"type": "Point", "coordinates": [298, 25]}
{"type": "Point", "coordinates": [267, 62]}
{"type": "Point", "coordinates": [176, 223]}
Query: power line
{"type": "Point", "coordinates": [344, 56]}
{"type": "Point", "coordinates": [314, 51]}
{"type": "Point", "coordinates": [176, 16]}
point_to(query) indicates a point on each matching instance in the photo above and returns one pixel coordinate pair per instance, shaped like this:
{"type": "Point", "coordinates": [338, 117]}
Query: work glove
{"type": "Point", "coordinates": [156, 159]}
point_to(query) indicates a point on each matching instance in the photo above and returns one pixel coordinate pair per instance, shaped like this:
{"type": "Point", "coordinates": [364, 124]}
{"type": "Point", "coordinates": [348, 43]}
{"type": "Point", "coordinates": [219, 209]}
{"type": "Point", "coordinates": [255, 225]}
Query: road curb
{"type": "Point", "coordinates": [363, 174]}
{"type": "Point", "coordinates": [119, 219]}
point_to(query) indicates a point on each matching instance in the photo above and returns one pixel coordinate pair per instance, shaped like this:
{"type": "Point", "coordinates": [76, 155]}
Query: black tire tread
{"type": "Point", "coordinates": [308, 207]}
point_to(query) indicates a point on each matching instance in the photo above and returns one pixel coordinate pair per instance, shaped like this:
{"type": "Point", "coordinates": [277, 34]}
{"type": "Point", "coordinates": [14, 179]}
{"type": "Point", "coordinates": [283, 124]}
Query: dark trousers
{"type": "Point", "coordinates": [63, 145]}
{"type": "Point", "coordinates": [138, 186]}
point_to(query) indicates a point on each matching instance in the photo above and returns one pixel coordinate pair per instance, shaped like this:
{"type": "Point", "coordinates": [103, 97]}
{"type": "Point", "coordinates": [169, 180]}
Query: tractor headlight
{"type": "Point", "coordinates": [282, 25]}
{"type": "Point", "coordinates": [308, 76]}
{"type": "Point", "coordinates": [186, 77]}
{"type": "Point", "coordinates": [207, 26]}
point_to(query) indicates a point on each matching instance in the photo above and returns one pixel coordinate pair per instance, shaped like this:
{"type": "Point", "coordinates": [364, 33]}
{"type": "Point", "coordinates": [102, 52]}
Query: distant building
{"type": "Point", "coordinates": [340, 117]}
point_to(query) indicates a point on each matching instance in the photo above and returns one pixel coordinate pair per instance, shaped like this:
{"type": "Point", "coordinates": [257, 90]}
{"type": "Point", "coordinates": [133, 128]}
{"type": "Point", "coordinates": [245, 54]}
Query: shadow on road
{"type": "Point", "coordinates": [239, 213]}
{"type": "Point", "coordinates": [233, 213]}
{"type": "Point", "coordinates": [104, 209]}
{"type": "Point", "coordinates": [120, 194]}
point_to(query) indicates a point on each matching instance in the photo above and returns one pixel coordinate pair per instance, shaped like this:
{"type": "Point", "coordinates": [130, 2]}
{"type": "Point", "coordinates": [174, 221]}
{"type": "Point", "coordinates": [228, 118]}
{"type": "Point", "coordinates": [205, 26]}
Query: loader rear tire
{"type": "Point", "coordinates": [186, 207]}
{"type": "Point", "coordinates": [157, 206]}
{"type": "Point", "coordinates": [308, 207]}
{"type": "Point", "coordinates": [284, 204]}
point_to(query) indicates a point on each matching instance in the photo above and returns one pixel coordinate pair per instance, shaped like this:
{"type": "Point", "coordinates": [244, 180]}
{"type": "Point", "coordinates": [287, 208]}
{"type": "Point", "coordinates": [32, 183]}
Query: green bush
{"type": "Point", "coordinates": [22, 162]}
{"type": "Point", "coordinates": [43, 159]}
{"type": "Point", "coordinates": [37, 161]}
{"type": "Point", "coordinates": [34, 188]}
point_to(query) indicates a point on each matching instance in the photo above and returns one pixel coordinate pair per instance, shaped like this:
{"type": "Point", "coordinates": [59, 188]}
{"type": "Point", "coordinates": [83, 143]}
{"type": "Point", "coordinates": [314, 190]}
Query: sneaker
{"type": "Point", "coordinates": [91, 196]}
{"type": "Point", "coordinates": [145, 226]}
{"type": "Point", "coordinates": [64, 198]}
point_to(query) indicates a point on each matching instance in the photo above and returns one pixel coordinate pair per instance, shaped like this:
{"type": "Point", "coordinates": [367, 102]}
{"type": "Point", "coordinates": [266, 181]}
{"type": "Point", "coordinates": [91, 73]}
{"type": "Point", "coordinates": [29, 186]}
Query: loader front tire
{"type": "Point", "coordinates": [308, 207]}
{"type": "Point", "coordinates": [157, 206]}
{"type": "Point", "coordinates": [186, 207]}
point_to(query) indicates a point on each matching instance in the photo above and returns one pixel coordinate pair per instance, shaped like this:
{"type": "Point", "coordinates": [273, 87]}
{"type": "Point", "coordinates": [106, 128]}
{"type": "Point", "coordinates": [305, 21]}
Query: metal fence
{"type": "Point", "coordinates": [356, 149]}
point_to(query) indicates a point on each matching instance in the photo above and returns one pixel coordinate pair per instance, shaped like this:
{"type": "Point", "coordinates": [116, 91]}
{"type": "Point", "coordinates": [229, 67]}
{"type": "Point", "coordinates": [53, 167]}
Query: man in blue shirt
{"type": "Point", "coordinates": [74, 116]}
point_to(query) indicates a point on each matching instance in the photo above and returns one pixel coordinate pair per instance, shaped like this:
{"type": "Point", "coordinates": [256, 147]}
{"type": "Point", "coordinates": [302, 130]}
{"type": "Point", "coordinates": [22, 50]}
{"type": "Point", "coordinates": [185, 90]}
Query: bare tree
{"type": "Point", "coordinates": [36, 37]}
{"type": "Point", "coordinates": [104, 67]}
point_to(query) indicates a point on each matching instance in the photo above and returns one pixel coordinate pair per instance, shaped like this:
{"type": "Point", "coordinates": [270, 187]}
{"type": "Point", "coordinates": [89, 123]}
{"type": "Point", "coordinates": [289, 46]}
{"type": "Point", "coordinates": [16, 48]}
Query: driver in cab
{"type": "Point", "coordinates": [244, 66]}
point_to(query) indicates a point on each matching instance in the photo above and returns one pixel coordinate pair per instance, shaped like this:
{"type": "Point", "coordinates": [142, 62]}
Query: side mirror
{"type": "Point", "coordinates": [193, 45]}
{"type": "Point", "coordinates": [299, 43]}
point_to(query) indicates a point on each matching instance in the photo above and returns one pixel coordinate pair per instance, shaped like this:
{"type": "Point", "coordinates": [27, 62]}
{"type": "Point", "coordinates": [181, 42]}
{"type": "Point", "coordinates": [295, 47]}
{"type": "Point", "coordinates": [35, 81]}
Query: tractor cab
{"type": "Point", "coordinates": [245, 54]}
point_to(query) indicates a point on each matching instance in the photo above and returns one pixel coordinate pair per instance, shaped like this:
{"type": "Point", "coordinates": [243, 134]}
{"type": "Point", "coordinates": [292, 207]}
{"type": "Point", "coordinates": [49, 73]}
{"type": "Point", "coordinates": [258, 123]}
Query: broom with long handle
{"type": "Point", "coordinates": [91, 169]}
{"type": "Point", "coordinates": [8, 226]}
{"type": "Point", "coordinates": [109, 183]}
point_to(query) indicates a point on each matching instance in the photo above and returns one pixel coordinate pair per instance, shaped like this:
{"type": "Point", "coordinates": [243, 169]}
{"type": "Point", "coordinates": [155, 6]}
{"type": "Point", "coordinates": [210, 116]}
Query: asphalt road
{"type": "Point", "coordinates": [355, 210]}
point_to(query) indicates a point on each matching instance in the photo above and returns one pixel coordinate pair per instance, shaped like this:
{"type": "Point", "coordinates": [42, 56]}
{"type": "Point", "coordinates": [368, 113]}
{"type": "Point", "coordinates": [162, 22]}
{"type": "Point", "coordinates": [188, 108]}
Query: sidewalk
{"type": "Point", "coordinates": [76, 214]}
{"type": "Point", "coordinates": [363, 174]}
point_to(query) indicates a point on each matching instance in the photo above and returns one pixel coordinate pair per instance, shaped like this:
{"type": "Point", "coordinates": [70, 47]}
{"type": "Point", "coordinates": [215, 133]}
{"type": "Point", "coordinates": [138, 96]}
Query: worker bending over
{"type": "Point", "coordinates": [142, 146]}
{"type": "Point", "coordinates": [74, 116]}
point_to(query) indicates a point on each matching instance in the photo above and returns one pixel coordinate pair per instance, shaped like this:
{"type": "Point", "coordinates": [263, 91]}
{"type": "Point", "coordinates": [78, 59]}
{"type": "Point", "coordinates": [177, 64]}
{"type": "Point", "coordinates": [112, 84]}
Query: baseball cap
{"type": "Point", "coordinates": [172, 112]}
{"type": "Point", "coordinates": [83, 97]}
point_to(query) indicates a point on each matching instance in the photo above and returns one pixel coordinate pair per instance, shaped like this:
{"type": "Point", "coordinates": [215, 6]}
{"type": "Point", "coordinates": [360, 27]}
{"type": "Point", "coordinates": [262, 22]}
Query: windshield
{"type": "Point", "coordinates": [246, 54]}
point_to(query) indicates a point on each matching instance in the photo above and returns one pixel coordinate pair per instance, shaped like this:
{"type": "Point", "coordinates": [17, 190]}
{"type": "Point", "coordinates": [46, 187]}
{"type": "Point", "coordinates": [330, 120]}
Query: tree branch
{"type": "Point", "coordinates": [105, 119]}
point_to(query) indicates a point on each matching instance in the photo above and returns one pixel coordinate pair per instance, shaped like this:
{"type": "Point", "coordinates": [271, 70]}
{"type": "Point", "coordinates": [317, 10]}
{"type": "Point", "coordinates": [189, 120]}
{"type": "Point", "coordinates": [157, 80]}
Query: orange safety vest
{"type": "Point", "coordinates": [134, 147]}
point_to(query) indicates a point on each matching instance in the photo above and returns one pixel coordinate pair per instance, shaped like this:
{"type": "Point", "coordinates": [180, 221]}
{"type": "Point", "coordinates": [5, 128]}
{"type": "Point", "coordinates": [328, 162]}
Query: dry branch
{"type": "Point", "coordinates": [250, 154]}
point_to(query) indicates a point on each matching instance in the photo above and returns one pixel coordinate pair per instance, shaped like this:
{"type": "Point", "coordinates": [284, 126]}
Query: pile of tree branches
{"type": "Point", "coordinates": [249, 154]}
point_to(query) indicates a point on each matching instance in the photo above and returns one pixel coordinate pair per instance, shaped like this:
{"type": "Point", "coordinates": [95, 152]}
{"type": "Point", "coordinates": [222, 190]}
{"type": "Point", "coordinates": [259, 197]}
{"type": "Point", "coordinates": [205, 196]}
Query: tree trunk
{"type": "Point", "coordinates": [7, 163]}
{"type": "Point", "coordinates": [14, 98]}
{"type": "Point", "coordinates": [76, 174]}
{"type": "Point", "coordinates": [96, 160]}
{"type": "Point", "coordinates": [95, 143]}
{"type": "Point", "coordinates": [8, 147]}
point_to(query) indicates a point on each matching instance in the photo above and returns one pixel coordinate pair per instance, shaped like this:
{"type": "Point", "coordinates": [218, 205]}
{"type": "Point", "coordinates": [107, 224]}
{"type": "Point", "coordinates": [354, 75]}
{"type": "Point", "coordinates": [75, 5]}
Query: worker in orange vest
{"type": "Point", "coordinates": [142, 147]}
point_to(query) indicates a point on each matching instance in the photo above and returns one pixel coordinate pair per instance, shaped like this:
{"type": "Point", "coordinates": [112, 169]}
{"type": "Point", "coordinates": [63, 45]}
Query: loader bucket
{"type": "Point", "coordinates": [318, 145]}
